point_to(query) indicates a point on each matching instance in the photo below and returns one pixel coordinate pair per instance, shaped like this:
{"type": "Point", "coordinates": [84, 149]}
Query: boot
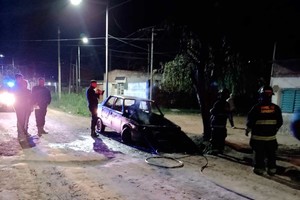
{"type": "Point", "coordinates": [93, 133]}
{"type": "Point", "coordinates": [41, 130]}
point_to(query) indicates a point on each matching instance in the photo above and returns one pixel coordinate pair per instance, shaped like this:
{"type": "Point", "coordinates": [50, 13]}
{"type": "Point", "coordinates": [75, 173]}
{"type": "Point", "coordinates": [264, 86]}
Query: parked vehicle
{"type": "Point", "coordinates": [7, 98]}
{"type": "Point", "coordinates": [141, 120]}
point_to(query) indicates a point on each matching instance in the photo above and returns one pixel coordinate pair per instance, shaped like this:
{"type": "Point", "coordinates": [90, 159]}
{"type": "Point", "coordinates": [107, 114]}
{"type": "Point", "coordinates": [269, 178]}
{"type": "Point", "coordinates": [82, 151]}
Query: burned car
{"type": "Point", "coordinates": [140, 120]}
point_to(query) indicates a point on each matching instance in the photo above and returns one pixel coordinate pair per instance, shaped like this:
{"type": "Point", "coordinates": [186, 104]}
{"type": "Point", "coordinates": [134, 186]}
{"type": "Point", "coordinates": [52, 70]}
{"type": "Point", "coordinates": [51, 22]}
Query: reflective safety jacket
{"type": "Point", "coordinates": [264, 120]}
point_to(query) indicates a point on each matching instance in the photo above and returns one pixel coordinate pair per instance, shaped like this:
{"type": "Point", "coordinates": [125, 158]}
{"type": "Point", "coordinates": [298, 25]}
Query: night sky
{"type": "Point", "coordinates": [29, 30]}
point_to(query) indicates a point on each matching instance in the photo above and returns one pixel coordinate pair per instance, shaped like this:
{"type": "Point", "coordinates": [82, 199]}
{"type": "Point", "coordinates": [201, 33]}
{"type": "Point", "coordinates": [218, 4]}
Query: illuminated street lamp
{"type": "Point", "coordinates": [77, 2]}
{"type": "Point", "coordinates": [2, 56]}
{"type": "Point", "coordinates": [84, 40]}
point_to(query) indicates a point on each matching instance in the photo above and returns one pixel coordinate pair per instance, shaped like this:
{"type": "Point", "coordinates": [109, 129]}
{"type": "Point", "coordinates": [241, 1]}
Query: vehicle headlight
{"type": "Point", "coordinates": [7, 98]}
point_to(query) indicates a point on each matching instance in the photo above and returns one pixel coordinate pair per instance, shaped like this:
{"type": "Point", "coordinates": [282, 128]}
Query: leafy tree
{"type": "Point", "coordinates": [176, 76]}
{"type": "Point", "coordinates": [204, 69]}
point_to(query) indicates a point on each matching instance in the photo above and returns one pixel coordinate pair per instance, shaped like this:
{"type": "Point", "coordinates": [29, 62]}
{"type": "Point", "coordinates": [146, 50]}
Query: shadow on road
{"type": "Point", "coordinates": [288, 175]}
{"type": "Point", "coordinates": [100, 147]}
{"type": "Point", "coordinates": [180, 143]}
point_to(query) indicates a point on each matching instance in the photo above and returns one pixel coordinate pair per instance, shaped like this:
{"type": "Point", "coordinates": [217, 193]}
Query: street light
{"type": "Point", "coordinates": [76, 3]}
{"type": "Point", "coordinates": [84, 40]}
{"type": "Point", "coordinates": [2, 56]}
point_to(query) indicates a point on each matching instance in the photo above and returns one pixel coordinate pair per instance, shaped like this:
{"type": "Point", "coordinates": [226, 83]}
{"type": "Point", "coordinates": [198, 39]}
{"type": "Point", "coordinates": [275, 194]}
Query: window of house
{"type": "Point", "coordinates": [290, 100]}
{"type": "Point", "coordinates": [120, 88]}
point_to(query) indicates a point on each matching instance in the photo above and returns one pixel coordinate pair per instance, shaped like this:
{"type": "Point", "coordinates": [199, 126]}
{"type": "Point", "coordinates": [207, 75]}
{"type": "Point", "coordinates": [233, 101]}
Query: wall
{"type": "Point", "coordinates": [283, 83]}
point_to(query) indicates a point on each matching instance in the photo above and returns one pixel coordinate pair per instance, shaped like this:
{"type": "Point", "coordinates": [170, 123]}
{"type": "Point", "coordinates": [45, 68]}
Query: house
{"type": "Point", "coordinates": [131, 83]}
{"type": "Point", "coordinates": [285, 80]}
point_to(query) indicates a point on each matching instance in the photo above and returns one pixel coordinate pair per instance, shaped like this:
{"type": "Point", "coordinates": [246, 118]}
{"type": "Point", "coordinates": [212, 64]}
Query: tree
{"type": "Point", "coordinates": [176, 76]}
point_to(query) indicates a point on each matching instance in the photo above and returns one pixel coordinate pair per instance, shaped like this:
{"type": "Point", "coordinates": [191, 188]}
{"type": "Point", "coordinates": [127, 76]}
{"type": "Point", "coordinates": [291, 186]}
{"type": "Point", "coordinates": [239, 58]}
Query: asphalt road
{"type": "Point", "coordinates": [68, 164]}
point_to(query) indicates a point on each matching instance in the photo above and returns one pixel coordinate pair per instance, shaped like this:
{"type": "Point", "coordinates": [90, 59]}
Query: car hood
{"type": "Point", "coordinates": [153, 120]}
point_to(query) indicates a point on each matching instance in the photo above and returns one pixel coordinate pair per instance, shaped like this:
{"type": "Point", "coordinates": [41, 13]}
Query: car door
{"type": "Point", "coordinates": [106, 111]}
{"type": "Point", "coordinates": [117, 115]}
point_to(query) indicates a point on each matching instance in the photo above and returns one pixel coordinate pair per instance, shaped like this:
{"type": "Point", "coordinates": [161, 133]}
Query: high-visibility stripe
{"type": "Point", "coordinates": [264, 138]}
{"type": "Point", "coordinates": [267, 122]}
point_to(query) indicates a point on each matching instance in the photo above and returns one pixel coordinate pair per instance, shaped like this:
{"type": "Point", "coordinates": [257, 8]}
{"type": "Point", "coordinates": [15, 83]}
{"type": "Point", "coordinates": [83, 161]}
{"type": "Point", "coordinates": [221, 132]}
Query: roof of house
{"type": "Point", "coordinates": [286, 68]}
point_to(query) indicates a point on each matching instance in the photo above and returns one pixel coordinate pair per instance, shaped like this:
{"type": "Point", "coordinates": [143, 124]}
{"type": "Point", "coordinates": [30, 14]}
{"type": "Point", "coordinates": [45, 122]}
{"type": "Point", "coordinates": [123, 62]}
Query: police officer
{"type": "Point", "coordinates": [41, 99]}
{"type": "Point", "coordinates": [92, 96]}
{"type": "Point", "coordinates": [23, 107]}
{"type": "Point", "coordinates": [219, 115]}
{"type": "Point", "coordinates": [263, 121]}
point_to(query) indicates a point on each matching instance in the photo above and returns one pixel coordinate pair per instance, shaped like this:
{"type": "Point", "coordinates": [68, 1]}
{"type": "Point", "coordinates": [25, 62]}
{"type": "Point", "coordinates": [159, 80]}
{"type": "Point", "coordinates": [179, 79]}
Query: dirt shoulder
{"type": "Point", "coordinates": [289, 147]}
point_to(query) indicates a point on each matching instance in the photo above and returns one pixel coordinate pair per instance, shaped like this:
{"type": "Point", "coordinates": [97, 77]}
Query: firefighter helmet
{"type": "Point", "coordinates": [224, 93]}
{"type": "Point", "coordinates": [265, 93]}
{"type": "Point", "coordinates": [266, 90]}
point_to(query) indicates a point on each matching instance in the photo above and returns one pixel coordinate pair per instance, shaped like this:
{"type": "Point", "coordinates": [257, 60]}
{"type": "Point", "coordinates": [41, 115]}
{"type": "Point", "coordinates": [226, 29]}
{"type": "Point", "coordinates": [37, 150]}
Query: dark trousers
{"type": "Point", "coordinates": [94, 119]}
{"type": "Point", "coordinates": [264, 150]}
{"type": "Point", "coordinates": [23, 115]}
{"type": "Point", "coordinates": [40, 115]}
{"type": "Point", "coordinates": [218, 136]}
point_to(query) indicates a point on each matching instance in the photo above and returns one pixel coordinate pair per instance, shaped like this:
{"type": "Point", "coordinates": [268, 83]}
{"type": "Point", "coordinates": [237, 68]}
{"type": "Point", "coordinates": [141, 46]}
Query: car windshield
{"type": "Point", "coordinates": [145, 106]}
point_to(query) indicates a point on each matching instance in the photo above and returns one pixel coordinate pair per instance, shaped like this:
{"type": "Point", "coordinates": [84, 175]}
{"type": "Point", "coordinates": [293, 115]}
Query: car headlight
{"type": "Point", "coordinates": [7, 98]}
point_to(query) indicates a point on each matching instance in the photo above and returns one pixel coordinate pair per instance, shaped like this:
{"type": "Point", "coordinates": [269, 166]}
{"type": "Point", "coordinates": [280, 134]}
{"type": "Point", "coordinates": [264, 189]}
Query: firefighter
{"type": "Point", "coordinates": [218, 120]}
{"type": "Point", "coordinates": [263, 121]}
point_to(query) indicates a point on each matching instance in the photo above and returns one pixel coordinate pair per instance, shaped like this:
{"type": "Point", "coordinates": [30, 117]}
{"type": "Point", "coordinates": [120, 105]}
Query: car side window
{"type": "Point", "coordinates": [110, 102]}
{"type": "Point", "coordinates": [118, 105]}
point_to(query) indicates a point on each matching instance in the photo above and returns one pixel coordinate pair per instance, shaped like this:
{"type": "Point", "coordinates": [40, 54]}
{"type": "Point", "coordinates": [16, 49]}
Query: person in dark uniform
{"type": "Point", "coordinates": [295, 124]}
{"type": "Point", "coordinates": [41, 99]}
{"type": "Point", "coordinates": [22, 107]}
{"type": "Point", "coordinates": [263, 121]}
{"type": "Point", "coordinates": [92, 96]}
{"type": "Point", "coordinates": [218, 120]}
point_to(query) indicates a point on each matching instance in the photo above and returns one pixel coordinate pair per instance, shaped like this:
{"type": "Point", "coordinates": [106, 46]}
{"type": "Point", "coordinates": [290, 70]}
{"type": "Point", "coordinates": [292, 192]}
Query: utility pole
{"type": "Point", "coordinates": [58, 60]}
{"type": "Point", "coordinates": [78, 51]}
{"type": "Point", "coordinates": [76, 76]}
{"type": "Point", "coordinates": [273, 58]}
{"type": "Point", "coordinates": [151, 63]}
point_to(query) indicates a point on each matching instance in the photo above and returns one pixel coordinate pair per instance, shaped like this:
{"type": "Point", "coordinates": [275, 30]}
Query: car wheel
{"type": "Point", "coordinates": [126, 135]}
{"type": "Point", "coordinates": [100, 127]}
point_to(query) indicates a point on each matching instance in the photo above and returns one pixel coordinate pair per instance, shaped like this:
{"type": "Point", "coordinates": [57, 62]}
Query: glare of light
{"type": "Point", "coordinates": [49, 83]}
{"type": "Point", "coordinates": [7, 98]}
{"type": "Point", "coordinates": [75, 2]}
{"type": "Point", "coordinates": [10, 84]}
{"type": "Point", "coordinates": [85, 40]}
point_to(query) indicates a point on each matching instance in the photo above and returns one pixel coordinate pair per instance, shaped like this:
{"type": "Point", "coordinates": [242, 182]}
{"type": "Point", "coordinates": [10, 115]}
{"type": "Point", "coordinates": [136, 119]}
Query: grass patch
{"type": "Point", "coordinates": [71, 103]}
{"type": "Point", "coordinates": [76, 104]}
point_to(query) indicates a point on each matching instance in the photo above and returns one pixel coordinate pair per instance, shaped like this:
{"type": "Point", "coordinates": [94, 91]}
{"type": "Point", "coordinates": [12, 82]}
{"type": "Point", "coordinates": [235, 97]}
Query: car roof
{"type": "Point", "coordinates": [131, 97]}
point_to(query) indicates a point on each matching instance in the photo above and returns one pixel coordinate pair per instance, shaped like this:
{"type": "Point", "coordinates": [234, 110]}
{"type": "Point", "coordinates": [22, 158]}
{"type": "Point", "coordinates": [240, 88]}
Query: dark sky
{"type": "Point", "coordinates": [29, 28]}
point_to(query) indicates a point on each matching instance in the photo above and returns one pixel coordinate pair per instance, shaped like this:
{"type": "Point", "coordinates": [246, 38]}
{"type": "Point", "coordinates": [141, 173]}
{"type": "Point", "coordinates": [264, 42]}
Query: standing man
{"type": "Point", "coordinates": [41, 99]}
{"type": "Point", "coordinates": [219, 114]}
{"type": "Point", "coordinates": [92, 96]}
{"type": "Point", "coordinates": [263, 121]}
{"type": "Point", "coordinates": [230, 100]}
{"type": "Point", "coordinates": [22, 106]}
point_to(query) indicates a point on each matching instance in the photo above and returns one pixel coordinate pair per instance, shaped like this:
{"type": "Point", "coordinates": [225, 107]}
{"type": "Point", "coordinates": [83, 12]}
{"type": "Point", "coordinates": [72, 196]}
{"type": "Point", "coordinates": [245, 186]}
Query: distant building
{"type": "Point", "coordinates": [131, 83]}
{"type": "Point", "coordinates": [285, 80]}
